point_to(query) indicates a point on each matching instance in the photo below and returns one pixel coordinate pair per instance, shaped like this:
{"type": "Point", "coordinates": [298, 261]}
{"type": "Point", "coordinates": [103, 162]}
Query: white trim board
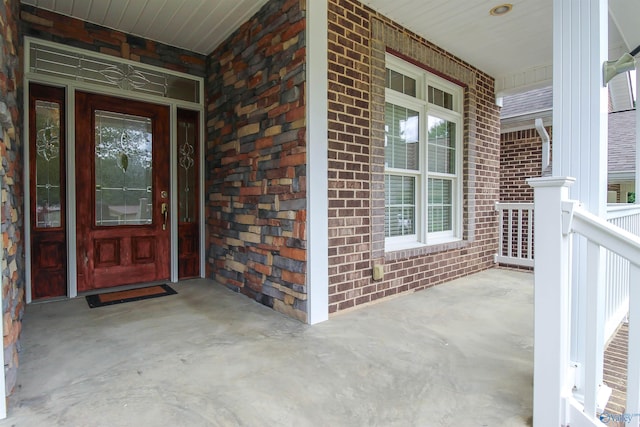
{"type": "Point", "coordinates": [317, 162]}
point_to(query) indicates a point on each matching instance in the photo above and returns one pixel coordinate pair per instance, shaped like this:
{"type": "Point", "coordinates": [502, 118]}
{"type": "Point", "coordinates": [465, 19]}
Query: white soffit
{"type": "Point", "coordinates": [625, 15]}
{"type": "Point", "coordinates": [195, 25]}
{"type": "Point", "coordinates": [516, 47]}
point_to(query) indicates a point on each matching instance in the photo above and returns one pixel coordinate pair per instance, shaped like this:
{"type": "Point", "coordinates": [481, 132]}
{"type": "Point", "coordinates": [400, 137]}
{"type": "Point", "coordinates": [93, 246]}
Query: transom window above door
{"type": "Point", "coordinates": [68, 63]}
{"type": "Point", "coordinates": [423, 157]}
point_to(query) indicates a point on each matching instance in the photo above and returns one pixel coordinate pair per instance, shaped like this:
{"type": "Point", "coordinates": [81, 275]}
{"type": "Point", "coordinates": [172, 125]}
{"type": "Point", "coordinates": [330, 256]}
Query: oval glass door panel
{"type": "Point", "coordinates": [123, 169]}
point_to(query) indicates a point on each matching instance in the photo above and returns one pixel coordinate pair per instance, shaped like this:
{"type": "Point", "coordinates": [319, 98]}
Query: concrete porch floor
{"type": "Point", "coordinates": [458, 354]}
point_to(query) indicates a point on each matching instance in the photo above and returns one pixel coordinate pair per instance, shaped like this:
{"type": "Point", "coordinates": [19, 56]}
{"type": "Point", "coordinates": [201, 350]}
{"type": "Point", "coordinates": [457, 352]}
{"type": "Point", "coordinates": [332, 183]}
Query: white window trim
{"type": "Point", "coordinates": [424, 79]}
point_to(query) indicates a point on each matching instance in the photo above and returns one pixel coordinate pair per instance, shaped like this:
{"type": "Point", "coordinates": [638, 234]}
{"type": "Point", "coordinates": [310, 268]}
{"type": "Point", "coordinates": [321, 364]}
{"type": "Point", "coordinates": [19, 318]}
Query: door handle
{"type": "Point", "coordinates": [164, 210]}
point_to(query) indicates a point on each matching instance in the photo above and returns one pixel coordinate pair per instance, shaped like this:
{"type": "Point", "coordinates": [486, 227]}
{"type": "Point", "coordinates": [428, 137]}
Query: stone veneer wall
{"type": "Point", "coordinates": [520, 159]}
{"type": "Point", "coordinates": [358, 40]}
{"type": "Point", "coordinates": [11, 174]}
{"type": "Point", "coordinates": [256, 159]}
{"type": "Point", "coordinates": [46, 25]}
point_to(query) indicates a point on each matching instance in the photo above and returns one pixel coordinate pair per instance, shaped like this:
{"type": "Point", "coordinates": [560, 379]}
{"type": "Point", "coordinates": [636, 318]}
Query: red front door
{"type": "Point", "coordinates": [122, 192]}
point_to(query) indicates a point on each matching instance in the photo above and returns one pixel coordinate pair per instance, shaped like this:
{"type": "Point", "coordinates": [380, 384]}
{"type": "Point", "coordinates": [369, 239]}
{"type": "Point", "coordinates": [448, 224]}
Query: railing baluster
{"type": "Point", "coordinates": [594, 340]}
{"type": "Point", "coordinates": [519, 233]}
{"type": "Point", "coordinates": [502, 243]}
{"type": "Point", "coordinates": [530, 233]}
{"type": "Point", "coordinates": [633, 358]}
{"type": "Point", "coordinates": [510, 234]}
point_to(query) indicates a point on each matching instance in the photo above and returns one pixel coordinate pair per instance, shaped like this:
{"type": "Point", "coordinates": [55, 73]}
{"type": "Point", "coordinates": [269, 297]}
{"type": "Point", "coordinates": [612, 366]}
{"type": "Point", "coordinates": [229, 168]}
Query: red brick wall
{"type": "Point", "coordinates": [11, 175]}
{"type": "Point", "coordinates": [520, 159]}
{"type": "Point", "coordinates": [358, 40]}
{"type": "Point", "coordinates": [45, 25]}
{"type": "Point", "coordinates": [256, 159]}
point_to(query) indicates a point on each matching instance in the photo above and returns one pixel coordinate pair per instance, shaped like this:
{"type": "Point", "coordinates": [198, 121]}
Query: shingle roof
{"type": "Point", "coordinates": [622, 141]}
{"type": "Point", "coordinates": [527, 102]}
{"type": "Point", "coordinates": [622, 125]}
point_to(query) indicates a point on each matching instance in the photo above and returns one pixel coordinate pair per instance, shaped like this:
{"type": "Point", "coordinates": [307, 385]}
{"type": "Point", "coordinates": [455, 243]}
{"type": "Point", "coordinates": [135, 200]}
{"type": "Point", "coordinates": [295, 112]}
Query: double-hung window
{"type": "Point", "coordinates": [423, 157]}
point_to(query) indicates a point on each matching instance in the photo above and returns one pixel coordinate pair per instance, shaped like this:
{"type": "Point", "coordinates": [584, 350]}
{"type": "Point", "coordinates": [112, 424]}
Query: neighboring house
{"type": "Point", "coordinates": [521, 146]}
{"type": "Point", "coordinates": [622, 156]}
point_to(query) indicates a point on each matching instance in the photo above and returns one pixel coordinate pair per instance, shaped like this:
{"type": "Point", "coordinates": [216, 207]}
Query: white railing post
{"type": "Point", "coordinates": [551, 302]}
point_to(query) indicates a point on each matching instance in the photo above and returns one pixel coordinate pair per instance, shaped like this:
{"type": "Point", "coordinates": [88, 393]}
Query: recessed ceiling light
{"type": "Point", "coordinates": [501, 10]}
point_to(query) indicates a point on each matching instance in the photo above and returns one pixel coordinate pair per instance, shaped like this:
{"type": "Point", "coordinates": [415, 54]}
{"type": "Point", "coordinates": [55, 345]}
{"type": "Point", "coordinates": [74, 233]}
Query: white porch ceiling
{"type": "Point", "coordinates": [196, 25]}
{"type": "Point", "coordinates": [515, 48]}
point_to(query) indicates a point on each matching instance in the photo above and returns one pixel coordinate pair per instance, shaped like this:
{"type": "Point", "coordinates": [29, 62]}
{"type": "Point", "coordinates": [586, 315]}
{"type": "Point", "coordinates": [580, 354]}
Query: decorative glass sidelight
{"type": "Point", "coordinates": [48, 190]}
{"type": "Point", "coordinates": [123, 155]}
{"type": "Point", "coordinates": [187, 171]}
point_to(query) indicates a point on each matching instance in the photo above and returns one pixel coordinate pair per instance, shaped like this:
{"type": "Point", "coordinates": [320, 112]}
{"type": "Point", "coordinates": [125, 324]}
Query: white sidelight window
{"type": "Point", "coordinates": [423, 157]}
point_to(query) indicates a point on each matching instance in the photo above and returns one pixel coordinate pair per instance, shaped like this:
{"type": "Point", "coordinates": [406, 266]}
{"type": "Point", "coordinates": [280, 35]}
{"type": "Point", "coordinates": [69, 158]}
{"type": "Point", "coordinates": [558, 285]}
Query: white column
{"type": "Point", "coordinates": [580, 109]}
{"type": "Point", "coordinates": [580, 100]}
{"type": "Point", "coordinates": [637, 188]}
{"type": "Point", "coordinates": [551, 303]}
{"type": "Point", "coordinates": [317, 163]}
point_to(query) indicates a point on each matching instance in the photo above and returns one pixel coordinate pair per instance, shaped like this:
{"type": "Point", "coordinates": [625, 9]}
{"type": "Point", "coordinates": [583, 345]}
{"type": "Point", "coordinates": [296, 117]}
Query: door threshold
{"type": "Point", "coordinates": [48, 300]}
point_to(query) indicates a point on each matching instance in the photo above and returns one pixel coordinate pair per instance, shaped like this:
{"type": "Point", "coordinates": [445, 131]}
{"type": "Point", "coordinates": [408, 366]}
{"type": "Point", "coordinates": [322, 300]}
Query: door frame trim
{"type": "Point", "coordinates": [71, 86]}
{"type": "Point", "coordinates": [70, 162]}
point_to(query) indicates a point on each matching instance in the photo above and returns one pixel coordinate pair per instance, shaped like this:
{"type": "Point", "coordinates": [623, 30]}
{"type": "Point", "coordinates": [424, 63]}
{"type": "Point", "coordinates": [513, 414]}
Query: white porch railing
{"type": "Point", "coordinates": [515, 247]}
{"type": "Point", "coordinates": [556, 220]}
{"type": "Point", "coordinates": [515, 225]}
{"type": "Point", "coordinates": [626, 217]}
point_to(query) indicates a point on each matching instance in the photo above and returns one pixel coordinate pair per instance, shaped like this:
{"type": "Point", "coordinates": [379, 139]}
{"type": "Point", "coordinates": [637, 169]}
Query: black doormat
{"type": "Point", "coordinates": [110, 298]}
